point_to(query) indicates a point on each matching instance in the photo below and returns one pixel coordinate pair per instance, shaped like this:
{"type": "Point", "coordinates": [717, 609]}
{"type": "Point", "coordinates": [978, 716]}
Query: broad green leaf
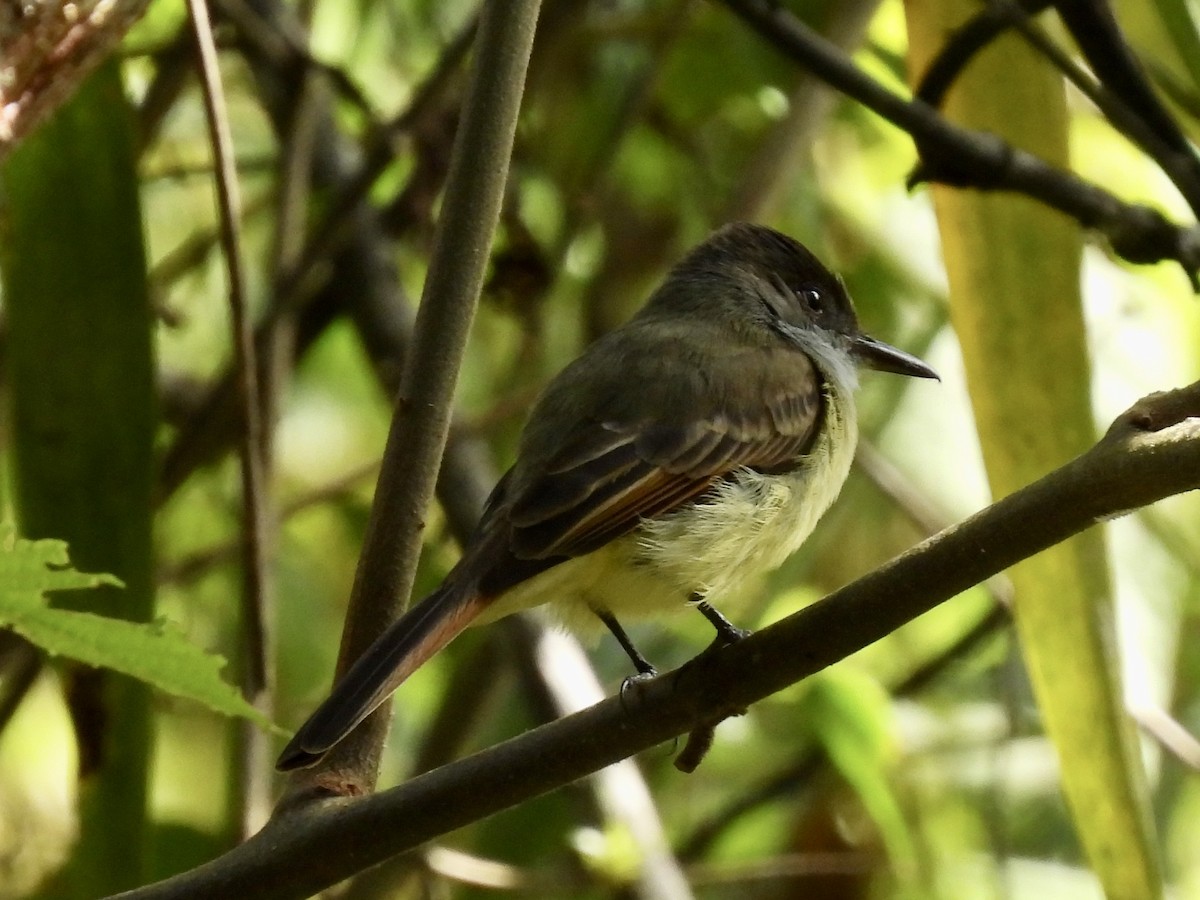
{"type": "Point", "coordinates": [156, 653]}
{"type": "Point", "coordinates": [80, 384]}
{"type": "Point", "coordinates": [1014, 270]}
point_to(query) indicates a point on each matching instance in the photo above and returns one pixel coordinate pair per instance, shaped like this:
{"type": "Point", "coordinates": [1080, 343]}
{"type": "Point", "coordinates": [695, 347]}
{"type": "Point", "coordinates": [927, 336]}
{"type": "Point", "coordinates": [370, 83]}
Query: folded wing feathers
{"type": "Point", "coordinates": [616, 475]}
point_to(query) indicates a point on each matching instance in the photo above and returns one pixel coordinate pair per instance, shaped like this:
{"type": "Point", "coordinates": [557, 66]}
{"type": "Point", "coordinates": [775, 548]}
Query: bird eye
{"type": "Point", "coordinates": [812, 299]}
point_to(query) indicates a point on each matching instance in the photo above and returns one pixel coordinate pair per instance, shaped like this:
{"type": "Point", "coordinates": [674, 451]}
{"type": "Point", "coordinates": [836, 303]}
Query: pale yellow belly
{"type": "Point", "coordinates": [715, 549]}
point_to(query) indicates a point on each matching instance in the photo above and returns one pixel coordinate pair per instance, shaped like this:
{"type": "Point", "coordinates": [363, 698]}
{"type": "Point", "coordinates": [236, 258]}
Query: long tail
{"type": "Point", "coordinates": [411, 640]}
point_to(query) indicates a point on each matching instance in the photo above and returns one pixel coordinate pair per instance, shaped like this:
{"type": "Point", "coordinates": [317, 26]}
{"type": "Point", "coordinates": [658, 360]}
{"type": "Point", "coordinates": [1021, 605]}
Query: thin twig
{"type": "Point", "coordinates": [470, 210]}
{"type": "Point", "coordinates": [297, 150]}
{"type": "Point", "coordinates": [191, 253]}
{"type": "Point", "coordinates": [172, 67]}
{"type": "Point", "coordinates": [1170, 733]}
{"type": "Point", "coordinates": [288, 48]}
{"type": "Point", "coordinates": [255, 591]}
{"type": "Point", "coordinates": [1162, 144]}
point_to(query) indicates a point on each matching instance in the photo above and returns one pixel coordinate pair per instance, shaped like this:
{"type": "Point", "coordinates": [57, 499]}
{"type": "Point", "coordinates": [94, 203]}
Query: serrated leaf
{"type": "Point", "coordinates": [157, 653]}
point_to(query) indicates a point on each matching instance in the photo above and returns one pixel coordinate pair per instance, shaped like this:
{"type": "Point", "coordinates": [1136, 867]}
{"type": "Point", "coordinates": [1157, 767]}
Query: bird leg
{"type": "Point", "coordinates": [700, 738]}
{"type": "Point", "coordinates": [645, 670]}
{"type": "Point", "coordinates": [727, 632]}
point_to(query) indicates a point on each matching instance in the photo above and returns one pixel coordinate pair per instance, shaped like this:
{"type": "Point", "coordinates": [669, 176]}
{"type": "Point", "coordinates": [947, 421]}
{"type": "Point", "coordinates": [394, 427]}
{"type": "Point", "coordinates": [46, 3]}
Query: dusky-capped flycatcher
{"type": "Point", "coordinates": [686, 450]}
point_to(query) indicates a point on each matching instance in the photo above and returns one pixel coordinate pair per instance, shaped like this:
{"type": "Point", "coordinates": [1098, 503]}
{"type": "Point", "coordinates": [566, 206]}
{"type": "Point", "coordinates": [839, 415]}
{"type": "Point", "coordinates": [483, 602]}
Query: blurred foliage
{"type": "Point", "coordinates": [645, 122]}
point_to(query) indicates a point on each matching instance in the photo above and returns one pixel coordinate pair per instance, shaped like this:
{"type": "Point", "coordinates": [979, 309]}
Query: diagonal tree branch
{"type": "Point", "coordinates": [1152, 451]}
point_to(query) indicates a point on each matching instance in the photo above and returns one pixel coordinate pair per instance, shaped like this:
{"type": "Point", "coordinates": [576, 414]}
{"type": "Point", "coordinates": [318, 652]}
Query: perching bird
{"type": "Point", "coordinates": [691, 448]}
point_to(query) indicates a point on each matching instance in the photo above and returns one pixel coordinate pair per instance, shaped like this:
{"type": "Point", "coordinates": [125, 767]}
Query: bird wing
{"type": "Point", "coordinates": [612, 473]}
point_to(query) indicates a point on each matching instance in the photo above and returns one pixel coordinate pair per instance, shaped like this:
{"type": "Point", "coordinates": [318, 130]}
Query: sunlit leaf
{"type": "Point", "coordinates": [157, 653]}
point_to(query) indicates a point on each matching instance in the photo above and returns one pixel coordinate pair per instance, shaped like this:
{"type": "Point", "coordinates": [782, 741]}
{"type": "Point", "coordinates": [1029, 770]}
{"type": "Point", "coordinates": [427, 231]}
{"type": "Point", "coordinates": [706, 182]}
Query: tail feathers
{"type": "Point", "coordinates": [410, 641]}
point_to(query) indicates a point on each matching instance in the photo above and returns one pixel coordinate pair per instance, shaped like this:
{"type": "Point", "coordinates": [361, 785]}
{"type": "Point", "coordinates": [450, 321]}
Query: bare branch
{"type": "Point", "coordinates": [253, 746]}
{"type": "Point", "coordinates": [1151, 452]}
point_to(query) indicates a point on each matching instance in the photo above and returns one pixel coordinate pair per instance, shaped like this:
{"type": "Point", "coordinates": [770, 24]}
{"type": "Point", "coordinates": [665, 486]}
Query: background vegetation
{"type": "Point", "coordinates": [949, 760]}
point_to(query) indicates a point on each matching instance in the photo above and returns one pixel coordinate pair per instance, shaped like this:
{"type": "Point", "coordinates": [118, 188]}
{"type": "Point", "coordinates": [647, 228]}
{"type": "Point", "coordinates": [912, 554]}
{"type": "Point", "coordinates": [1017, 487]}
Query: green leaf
{"type": "Point", "coordinates": [81, 448]}
{"type": "Point", "coordinates": [156, 653]}
{"type": "Point", "coordinates": [1016, 305]}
